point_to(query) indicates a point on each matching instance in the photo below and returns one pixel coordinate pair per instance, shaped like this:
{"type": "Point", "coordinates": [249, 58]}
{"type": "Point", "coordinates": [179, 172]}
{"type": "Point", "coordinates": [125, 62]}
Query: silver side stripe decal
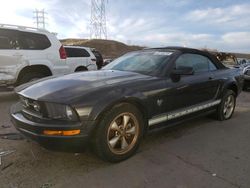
{"type": "Point", "coordinates": [177, 114]}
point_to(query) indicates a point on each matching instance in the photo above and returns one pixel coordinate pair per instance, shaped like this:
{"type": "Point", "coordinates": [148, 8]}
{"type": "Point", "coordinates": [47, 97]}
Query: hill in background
{"type": "Point", "coordinates": [108, 48]}
{"type": "Point", "coordinates": [113, 49]}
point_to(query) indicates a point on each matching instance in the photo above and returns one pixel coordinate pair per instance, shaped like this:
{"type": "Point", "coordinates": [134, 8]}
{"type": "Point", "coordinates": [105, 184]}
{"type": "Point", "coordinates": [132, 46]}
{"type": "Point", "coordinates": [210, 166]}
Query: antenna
{"type": "Point", "coordinates": [98, 28]}
{"type": "Point", "coordinates": [39, 16]}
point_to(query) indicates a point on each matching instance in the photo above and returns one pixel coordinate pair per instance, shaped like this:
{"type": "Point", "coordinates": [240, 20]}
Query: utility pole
{"type": "Point", "coordinates": [39, 16]}
{"type": "Point", "coordinates": [98, 28]}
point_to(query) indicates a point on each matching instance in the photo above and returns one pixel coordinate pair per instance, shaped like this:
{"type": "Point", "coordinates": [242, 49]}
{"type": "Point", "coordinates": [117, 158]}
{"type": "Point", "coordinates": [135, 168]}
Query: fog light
{"type": "Point", "coordinates": [62, 133]}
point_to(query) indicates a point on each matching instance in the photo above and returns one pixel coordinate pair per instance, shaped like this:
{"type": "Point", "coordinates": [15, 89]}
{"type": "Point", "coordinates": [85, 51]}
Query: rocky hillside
{"type": "Point", "coordinates": [108, 48]}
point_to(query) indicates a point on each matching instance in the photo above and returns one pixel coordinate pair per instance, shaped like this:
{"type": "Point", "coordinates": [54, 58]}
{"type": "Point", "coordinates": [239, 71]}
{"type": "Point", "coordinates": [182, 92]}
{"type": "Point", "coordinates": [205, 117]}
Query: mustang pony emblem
{"type": "Point", "coordinates": [159, 102]}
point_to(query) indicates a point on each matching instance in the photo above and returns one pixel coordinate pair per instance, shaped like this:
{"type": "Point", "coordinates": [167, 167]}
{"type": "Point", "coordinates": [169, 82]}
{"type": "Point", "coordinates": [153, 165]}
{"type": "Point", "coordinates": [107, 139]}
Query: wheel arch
{"type": "Point", "coordinates": [233, 86]}
{"type": "Point", "coordinates": [81, 68]}
{"type": "Point", "coordinates": [34, 68]}
{"type": "Point", "coordinates": [130, 100]}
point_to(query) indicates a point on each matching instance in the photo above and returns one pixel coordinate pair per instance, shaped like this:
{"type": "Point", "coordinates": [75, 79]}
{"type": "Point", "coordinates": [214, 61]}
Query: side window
{"type": "Point", "coordinates": [33, 41]}
{"type": "Point", "coordinates": [198, 62]}
{"type": "Point", "coordinates": [8, 39]}
{"type": "Point", "coordinates": [85, 53]}
{"type": "Point", "coordinates": [76, 52]}
{"type": "Point", "coordinates": [70, 52]}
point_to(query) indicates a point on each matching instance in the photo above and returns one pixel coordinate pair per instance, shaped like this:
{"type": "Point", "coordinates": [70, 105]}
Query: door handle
{"type": "Point", "coordinates": [211, 78]}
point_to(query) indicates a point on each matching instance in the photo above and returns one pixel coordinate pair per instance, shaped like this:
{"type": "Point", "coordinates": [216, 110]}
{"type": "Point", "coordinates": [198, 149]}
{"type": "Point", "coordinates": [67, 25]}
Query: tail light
{"type": "Point", "coordinates": [62, 52]}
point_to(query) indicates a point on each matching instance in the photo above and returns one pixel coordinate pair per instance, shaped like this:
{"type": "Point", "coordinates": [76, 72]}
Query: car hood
{"type": "Point", "coordinates": [66, 88]}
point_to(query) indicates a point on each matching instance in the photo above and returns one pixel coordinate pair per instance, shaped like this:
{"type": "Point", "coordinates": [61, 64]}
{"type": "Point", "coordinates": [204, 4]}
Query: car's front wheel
{"type": "Point", "coordinates": [119, 133]}
{"type": "Point", "coordinates": [28, 77]}
{"type": "Point", "coordinates": [226, 108]}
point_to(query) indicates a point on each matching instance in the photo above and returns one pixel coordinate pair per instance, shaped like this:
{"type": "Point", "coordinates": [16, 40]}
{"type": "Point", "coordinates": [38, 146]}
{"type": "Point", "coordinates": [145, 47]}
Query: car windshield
{"type": "Point", "coordinates": [144, 62]}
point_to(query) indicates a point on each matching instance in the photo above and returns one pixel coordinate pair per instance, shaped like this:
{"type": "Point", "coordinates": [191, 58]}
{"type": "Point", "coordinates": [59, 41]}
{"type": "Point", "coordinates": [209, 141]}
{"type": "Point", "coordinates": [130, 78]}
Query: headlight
{"type": "Point", "coordinates": [61, 112]}
{"type": "Point", "coordinates": [31, 104]}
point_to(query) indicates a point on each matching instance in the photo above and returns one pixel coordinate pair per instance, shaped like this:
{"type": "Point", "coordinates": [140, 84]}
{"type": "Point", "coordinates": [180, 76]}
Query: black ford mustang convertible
{"type": "Point", "coordinates": [114, 107]}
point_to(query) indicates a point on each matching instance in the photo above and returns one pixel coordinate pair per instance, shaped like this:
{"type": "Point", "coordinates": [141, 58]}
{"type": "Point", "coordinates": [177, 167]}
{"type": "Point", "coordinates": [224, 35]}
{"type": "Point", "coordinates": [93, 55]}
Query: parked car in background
{"type": "Point", "coordinates": [245, 63]}
{"type": "Point", "coordinates": [107, 61]}
{"type": "Point", "coordinates": [99, 58]}
{"type": "Point", "coordinates": [80, 58]}
{"type": "Point", "coordinates": [246, 72]}
{"type": "Point", "coordinates": [29, 53]}
{"type": "Point", "coordinates": [230, 60]}
{"type": "Point", "coordinates": [114, 107]}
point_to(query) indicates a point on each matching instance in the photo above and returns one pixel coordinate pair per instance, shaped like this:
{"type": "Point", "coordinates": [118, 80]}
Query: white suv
{"type": "Point", "coordinates": [28, 53]}
{"type": "Point", "coordinates": [80, 58]}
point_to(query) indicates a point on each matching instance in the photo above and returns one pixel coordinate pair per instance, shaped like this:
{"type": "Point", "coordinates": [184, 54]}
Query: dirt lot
{"type": "Point", "coordinates": [200, 153]}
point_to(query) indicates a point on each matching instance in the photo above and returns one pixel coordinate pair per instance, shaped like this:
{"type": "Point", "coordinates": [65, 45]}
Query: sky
{"type": "Point", "coordinates": [217, 24]}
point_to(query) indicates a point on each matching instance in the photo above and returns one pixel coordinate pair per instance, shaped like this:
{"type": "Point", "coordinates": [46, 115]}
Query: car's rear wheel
{"type": "Point", "coordinates": [119, 133]}
{"type": "Point", "coordinates": [79, 69]}
{"type": "Point", "coordinates": [226, 108]}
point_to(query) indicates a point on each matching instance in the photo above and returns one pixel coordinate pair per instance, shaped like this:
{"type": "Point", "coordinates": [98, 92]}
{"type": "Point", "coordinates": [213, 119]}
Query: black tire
{"type": "Point", "coordinates": [220, 113]}
{"type": "Point", "coordinates": [29, 77]}
{"type": "Point", "coordinates": [81, 69]}
{"type": "Point", "coordinates": [101, 144]}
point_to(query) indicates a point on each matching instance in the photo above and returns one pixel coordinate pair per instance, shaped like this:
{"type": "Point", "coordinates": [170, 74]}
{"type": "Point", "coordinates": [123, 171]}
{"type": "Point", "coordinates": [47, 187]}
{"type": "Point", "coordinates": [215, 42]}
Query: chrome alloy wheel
{"type": "Point", "coordinates": [123, 133]}
{"type": "Point", "coordinates": [229, 106]}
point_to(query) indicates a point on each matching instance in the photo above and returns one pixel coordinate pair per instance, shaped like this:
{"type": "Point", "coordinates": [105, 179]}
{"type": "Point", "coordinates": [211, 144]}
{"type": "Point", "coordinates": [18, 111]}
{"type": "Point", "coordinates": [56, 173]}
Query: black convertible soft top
{"type": "Point", "coordinates": [192, 50]}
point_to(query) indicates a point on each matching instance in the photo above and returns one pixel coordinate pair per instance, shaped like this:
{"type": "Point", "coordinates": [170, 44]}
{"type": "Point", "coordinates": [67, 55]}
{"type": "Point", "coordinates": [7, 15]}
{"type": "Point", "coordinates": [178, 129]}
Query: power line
{"type": "Point", "coordinates": [98, 28]}
{"type": "Point", "coordinates": [40, 19]}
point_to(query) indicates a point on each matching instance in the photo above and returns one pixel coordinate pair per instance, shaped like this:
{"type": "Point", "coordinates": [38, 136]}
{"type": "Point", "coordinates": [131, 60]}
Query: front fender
{"type": "Point", "coordinates": [115, 97]}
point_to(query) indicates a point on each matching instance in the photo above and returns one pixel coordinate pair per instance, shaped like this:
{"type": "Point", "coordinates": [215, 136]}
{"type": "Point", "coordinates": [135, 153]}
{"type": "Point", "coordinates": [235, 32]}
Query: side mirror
{"type": "Point", "coordinates": [182, 70]}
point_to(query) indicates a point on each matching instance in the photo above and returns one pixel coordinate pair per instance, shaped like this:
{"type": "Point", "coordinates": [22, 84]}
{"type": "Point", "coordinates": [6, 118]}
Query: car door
{"type": "Point", "coordinates": [77, 57]}
{"type": "Point", "coordinates": [73, 58]}
{"type": "Point", "coordinates": [86, 59]}
{"type": "Point", "coordinates": [194, 89]}
{"type": "Point", "coordinates": [38, 49]}
{"type": "Point", "coordinates": [10, 56]}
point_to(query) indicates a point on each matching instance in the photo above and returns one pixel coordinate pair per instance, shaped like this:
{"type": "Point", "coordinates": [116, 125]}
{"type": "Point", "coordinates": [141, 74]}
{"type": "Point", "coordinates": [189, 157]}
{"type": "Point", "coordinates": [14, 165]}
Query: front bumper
{"type": "Point", "coordinates": [34, 131]}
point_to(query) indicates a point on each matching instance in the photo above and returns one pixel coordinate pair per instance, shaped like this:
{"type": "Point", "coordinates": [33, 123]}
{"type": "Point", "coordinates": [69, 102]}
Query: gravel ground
{"type": "Point", "coordinates": [199, 153]}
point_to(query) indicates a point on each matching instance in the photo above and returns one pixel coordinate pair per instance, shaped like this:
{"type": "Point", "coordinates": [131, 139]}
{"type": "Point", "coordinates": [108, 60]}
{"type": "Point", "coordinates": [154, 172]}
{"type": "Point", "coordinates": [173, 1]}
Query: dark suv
{"type": "Point", "coordinates": [99, 59]}
{"type": "Point", "coordinates": [230, 61]}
